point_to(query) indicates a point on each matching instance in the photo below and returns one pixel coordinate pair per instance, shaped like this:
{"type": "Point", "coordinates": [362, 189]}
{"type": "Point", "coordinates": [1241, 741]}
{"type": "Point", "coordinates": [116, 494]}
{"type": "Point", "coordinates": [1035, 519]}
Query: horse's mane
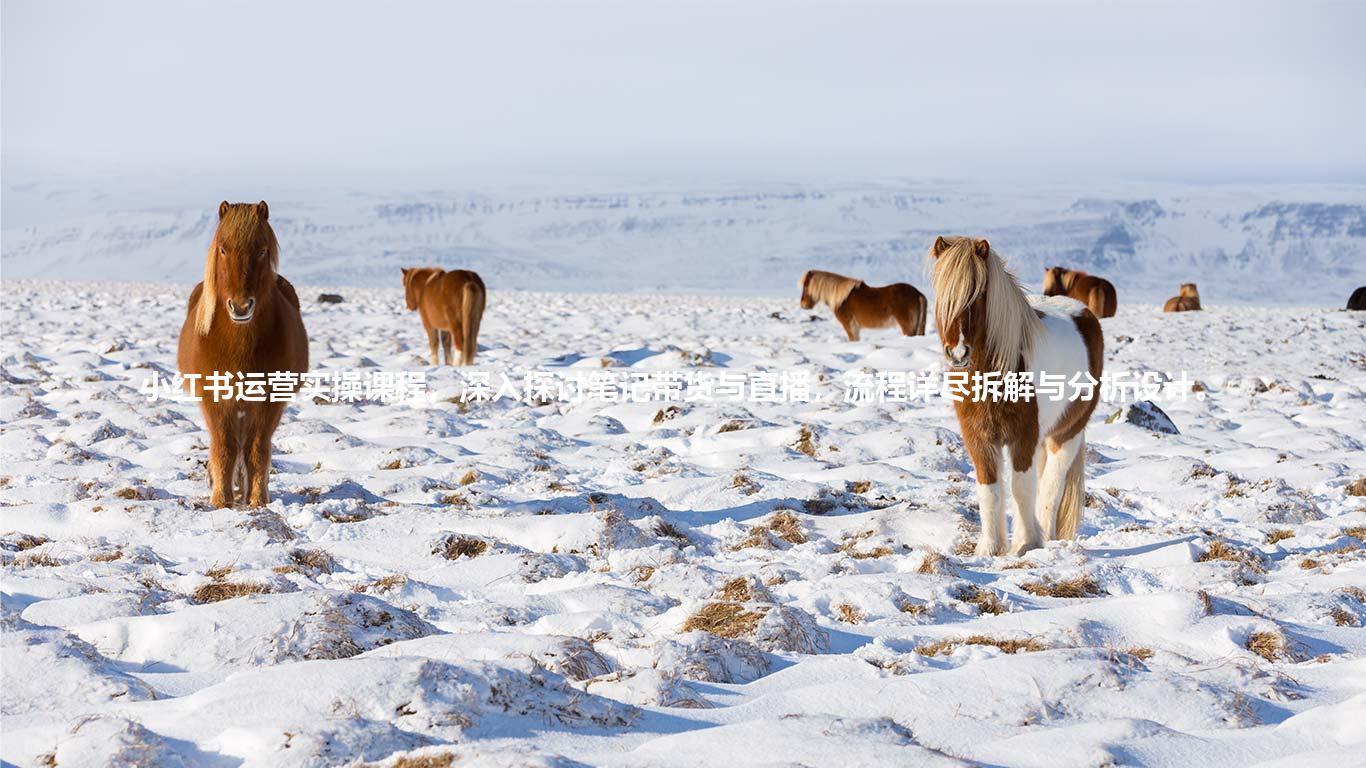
{"type": "Point", "coordinates": [239, 225]}
{"type": "Point", "coordinates": [1189, 291]}
{"type": "Point", "coordinates": [829, 287]}
{"type": "Point", "coordinates": [961, 277]}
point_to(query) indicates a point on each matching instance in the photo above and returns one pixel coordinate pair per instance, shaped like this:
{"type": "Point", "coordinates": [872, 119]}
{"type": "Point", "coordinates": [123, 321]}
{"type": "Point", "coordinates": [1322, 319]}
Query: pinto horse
{"type": "Point", "coordinates": [1186, 300]}
{"type": "Point", "coordinates": [1097, 293]}
{"type": "Point", "coordinates": [243, 318]}
{"type": "Point", "coordinates": [451, 305]}
{"type": "Point", "coordinates": [858, 305]}
{"type": "Point", "coordinates": [986, 323]}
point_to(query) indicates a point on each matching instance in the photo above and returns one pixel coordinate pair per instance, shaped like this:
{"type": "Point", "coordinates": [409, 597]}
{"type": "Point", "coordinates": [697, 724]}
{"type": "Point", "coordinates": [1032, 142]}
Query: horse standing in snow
{"type": "Point", "coordinates": [1357, 301]}
{"type": "Point", "coordinates": [986, 323]}
{"type": "Point", "coordinates": [1097, 293]}
{"type": "Point", "coordinates": [243, 318]}
{"type": "Point", "coordinates": [858, 305]}
{"type": "Point", "coordinates": [1186, 300]}
{"type": "Point", "coordinates": [451, 305]}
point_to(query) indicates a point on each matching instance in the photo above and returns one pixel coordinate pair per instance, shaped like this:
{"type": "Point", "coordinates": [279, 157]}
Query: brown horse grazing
{"type": "Point", "coordinates": [451, 305]}
{"type": "Point", "coordinates": [987, 324]}
{"type": "Point", "coordinates": [1187, 300]}
{"type": "Point", "coordinates": [1358, 300]}
{"type": "Point", "coordinates": [243, 318]}
{"type": "Point", "coordinates": [1097, 293]}
{"type": "Point", "coordinates": [858, 305]}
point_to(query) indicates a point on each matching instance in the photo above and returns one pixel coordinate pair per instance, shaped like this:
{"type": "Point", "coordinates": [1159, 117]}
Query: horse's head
{"type": "Point", "coordinates": [1054, 281]}
{"type": "Point", "coordinates": [414, 278]}
{"type": "Point", "coordinates": [961, 273]}
{"type": "Point", "coordinates": [808, 301]}
{"type": "Point", "coordinates": [1190, 291]}
{"type": "Point", "coordinates": [243, 258]}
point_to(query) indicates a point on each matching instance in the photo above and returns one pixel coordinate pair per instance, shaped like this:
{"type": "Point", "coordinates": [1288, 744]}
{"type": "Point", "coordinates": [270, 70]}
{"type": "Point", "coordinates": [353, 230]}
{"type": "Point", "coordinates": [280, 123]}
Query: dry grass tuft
{"type": "Point", "coordinates": [915, 609]}
{"type": "Point", "coordinates": [1009, 645]}
{"type": "Point", "coordinates": [1222, 550]}
{"type": "Point", "coordinates": [107, 556]}
{"type": "Point", "coordinates": [456, 547]}
{"type": "Point", "coordinates": [724, 620]}
{"type": "Point", "coordinates": [734, 425]}
{"type": "Point", "coordinates": [458, 500]}
{"type": "Point", "coordinates": [469, 478]}
{"type": "Point", "coordinates": [130, 493]}
{"type": "Point", "coordinates": [382, 585]}
{"type": "Point", "coordinates": [744, 484]}
{"type": "Point", "coordinates": [1279, 535]}
{"type": "Point", "coordinates": [35, 559]}
{"type": "Point", "coordinates": [848, 614]}
{"type": "Point", "coordinates": [312, 560]}
{"type": "Point", "coordinates": [28, 541]}
{"type": "Point", "coordinates": [1310, 563]}
{"type": "Point", "coordinates": [782, 524]}
{"type": "Point", "coordinates": [806, 442]}
{"type": "Point", "coordinates": [935, 563]}
{"type": "Point", "coordinates": [668, 530]}
{"type": "Point", "coordinates": [665, 414]}
{"type": "Point", "coordinates": [1269, 645]}
{"type": "Point", "coordinates": [1343, 618]}
{"type": "Point", "coordinates": [444, 760]}
{"type": "Point", "coordinates": [395, 464]}
{"type": "Point", "coordinates": [986, 600]}
{"type": "Point", "coordinates": [642, 573]}
{"type": "Point", "coordinates": [1206, 603]}
{"type": "Point", "coordinates": [1078, 586]}
{"type": "Point", "coordinates": [861, 486]}
{"type": "Point", "coordinates": [215, 591]}
{"type": "Point", "coordinates": [355, 516]}
{"type": "Point", "coordinates": [1140, 653]}
{"type": "Point", "coordinates": [1357, 487]}
{"type": "Point", "coordinates": [219, 572]}
{"type": "Point", "coordinates": [1356, 593]}
{"type": "Point", "coordinates": [1356, 531]}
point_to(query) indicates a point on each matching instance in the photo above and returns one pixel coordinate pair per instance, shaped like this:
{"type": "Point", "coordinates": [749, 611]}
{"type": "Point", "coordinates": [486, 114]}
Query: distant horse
{"type": "Point", "coordinates": [451, 305]}
{"type": "Point", "coordinates": [1187, 300]}
{"type": "Point", "coordinates": [858, 305]}
{"type": "Point", "coordinates": [243, 318]}
{"type": "Point", "coordinates": [1097, 293]}
{"type": "Point", "coordinates": [1358, 300]}
{"type": "Point", "coordinates": [986, 324]}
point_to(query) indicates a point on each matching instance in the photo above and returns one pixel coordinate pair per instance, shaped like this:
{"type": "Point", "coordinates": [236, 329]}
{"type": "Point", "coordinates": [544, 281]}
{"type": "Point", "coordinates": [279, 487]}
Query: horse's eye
{"type": "Point", "coordinates": [222, 251]}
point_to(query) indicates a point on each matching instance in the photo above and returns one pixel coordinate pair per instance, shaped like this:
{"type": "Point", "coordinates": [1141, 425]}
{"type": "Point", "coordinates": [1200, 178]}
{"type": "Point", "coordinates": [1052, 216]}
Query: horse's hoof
{"type": "Point", "coordinates": [987, 548]}
{"type": "Point", "coordinates": [1021, 547]}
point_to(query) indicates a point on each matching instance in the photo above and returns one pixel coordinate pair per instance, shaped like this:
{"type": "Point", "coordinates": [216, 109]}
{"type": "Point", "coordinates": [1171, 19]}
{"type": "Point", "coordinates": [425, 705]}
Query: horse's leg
{"type": "Point", "coordinates": [991, 494]}
{"type": "Point", "coordinates": [261, 426]}
{"type": "Point", "coordinates": [433, 340]}
{"type": "Point", "coordinates": [905, 320]}
{"type": "Point", "coordinates": [1053, 479]}
{"type": "Point", "coordinates": [1024, 486]}
{"type": "Point", "coordinates": [223, 448]}
{"type": "Point", "coordinates": [447, 337]}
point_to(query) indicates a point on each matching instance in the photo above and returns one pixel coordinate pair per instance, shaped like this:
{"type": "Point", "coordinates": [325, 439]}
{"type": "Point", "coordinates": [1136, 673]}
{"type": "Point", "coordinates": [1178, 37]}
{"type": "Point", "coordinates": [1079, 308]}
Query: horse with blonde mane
{"type": "Point", "coordinates": [1186, 300]}
{"type": "Point", "coordinates": [858, 305]}
{"type": "Point", "coordinates": [451, 305]}
{"type": "Point", "coordinates": [1097, 293]}
{"type": "Point", "coordinates": [243, 318]}
{"type": "Point", "coordinates": [987, 324]}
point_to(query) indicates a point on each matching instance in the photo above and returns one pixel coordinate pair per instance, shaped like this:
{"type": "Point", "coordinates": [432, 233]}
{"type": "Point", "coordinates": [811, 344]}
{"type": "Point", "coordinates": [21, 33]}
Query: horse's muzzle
{"type": "Point", "coordinates": [243, 313]}
{"type": "Point", "coordinates": [959, 361]}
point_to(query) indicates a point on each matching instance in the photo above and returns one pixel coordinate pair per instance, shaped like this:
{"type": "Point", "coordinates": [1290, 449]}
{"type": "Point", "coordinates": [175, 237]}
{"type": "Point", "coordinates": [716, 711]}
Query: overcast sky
{"type": "Point", "coordinates": [1053, 91]}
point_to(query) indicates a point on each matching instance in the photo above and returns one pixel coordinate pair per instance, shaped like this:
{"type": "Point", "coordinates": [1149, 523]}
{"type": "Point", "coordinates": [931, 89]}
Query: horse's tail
{"type": "Point", "coordinates": [1073, 494]}
{"type": "Point", "coordinates": [1111, 298]}
{"type": "Point", "coordinates": [471, 312]}
{"type": "Point", "coordinates": [924, 311]}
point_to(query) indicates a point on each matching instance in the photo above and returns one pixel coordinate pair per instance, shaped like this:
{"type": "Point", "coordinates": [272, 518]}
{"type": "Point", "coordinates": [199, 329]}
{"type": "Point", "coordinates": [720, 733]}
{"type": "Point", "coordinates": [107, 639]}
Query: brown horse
{"type": "Point", "coordinates": [1097, 293]}
{"type": "Point", "coordinates": [858, 305]}
{"type": "Point", "coordinates": [987, 324]}
{"type": "Point", "coordinates": [243, 318]}
{"type": "Point", "coordinates": [1358, 300]}
{"type": "Point", "coordinates": [1187, 300]}
{"type": "Point", "coordinates": [451, 305]}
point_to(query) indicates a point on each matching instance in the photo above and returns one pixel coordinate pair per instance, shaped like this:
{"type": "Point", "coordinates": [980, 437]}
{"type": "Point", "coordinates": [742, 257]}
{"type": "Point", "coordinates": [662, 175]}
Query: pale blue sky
{"type": "Point", "coordinates": [1054, 91]}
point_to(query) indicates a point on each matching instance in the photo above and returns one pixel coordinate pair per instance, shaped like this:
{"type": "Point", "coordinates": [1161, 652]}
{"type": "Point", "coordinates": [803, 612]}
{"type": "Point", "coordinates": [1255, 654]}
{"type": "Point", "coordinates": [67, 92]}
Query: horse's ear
{"type": "Point", "coordinates": [940, 244]}
{"type": "Point", "coordinates": [263, 211]}
{"type": "Point", "coordinates": [981, 248]}
{"type": "Point", "coordinates": [223, 209]}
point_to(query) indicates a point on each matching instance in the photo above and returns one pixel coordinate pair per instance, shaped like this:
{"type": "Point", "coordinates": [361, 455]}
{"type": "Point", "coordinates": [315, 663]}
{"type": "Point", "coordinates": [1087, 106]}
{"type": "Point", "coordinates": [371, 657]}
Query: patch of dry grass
{"type": "Point", "coordinates": [1077, 586]}
{"type": "Point", "coordinates": [354, 516]}
{"type": "Point", "coordinates": [382, 585]}
{"type": "Point", "coordinates": [312, 560]}
{"type": "Point", "coordinates": [444, 760]}
{"type": "Point", "coordinates": [455, 547]}
{"type": "Point", "coordinates": [727, 616]}
{"type": "Point", "coordinates": [458, 500]}
{"type": "Point", "coordinates": [668, 530]}
{"type": "Point", "coordinates": [848, 614]}
{"type": "Point", "coordinates": [1271, 646]}
{"type": "Point", "coordinates": [1009, 645]}
{"type": "Point", "coordinates": [1140, 653]}
{"type": "Point", "coordinates": [734, 425]}
{"type": "Point", "coordinates": [985, 599]}
{"type": "Point", "coordinates": [1357, 487]}
{"type": "Point", "coordinates": [36, 559]}
{"type": "Point", "coordinates": [744, 484]}
{"type": "Point", "coordinates": [1279, 535]}
{"type": "Point", "coordinates": [27, 541]}
{"type": "Point", "coordinates": [1356, 593]}
{"type": "Point", "coordinates": [782, 524]}
{"type": "Point", "coordinates": [806, 442]}
{"type": "Point", "coordinates": [1342, 617]}
{"type": "Point", "coordinates": [861, 486]}
{"type": "Point", "coordinates": [851, 547]}
{"type": "Point", "coordinates": [107, 556]}
{"type": "Point", "coordinates": [469, 478]}
{"type": "Point", "coordinates": [395, 464]}
{"type": "Point", "coordinates": [667, 413]}
{"type": "Point", "coordinates": [1222, 550]}
{"type": "Point", "coordinates": [1356, 531]}
{"type": "Point", "coordinates": [935, 562]}
{"type": "Point", "coordinates": [215, 591]}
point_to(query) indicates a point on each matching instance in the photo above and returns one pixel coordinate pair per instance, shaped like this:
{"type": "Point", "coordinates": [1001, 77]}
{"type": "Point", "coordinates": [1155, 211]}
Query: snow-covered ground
{"type": "Point", "coordinates": [530, 584]}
